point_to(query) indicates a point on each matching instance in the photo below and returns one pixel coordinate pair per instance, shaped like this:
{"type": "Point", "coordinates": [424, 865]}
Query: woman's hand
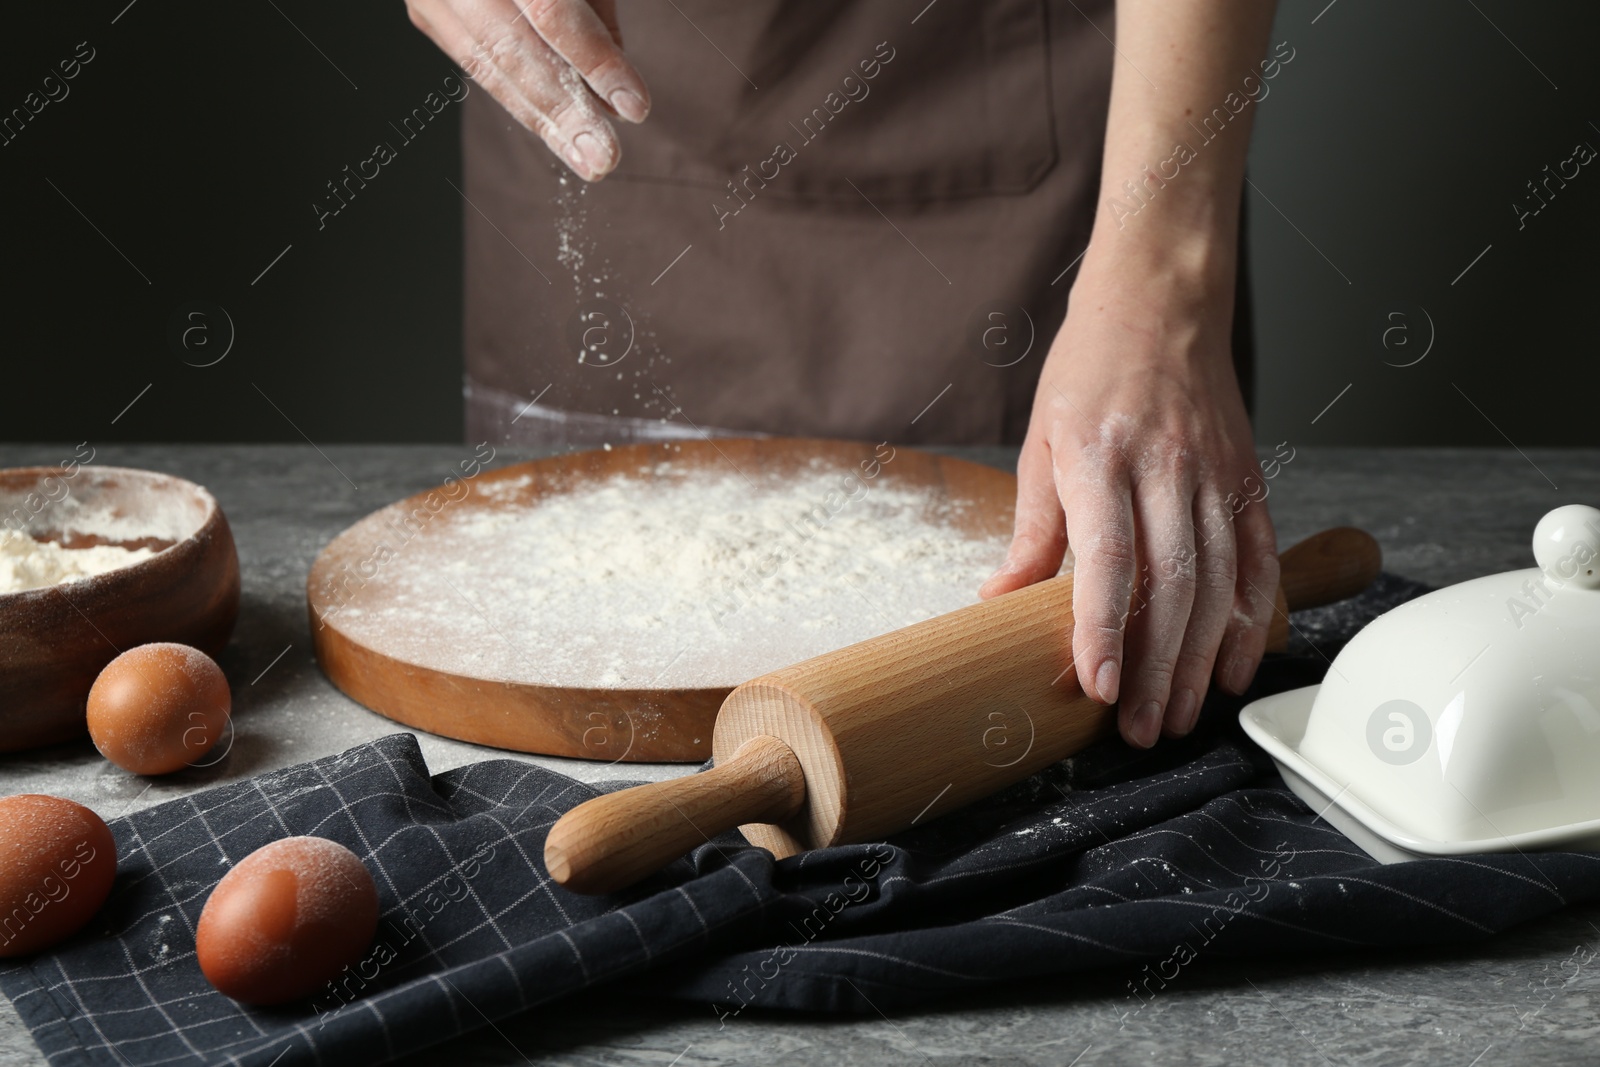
{"type": "Point", "coordinates": [1138, 453]}
{"type": "Point", "coordinates": [556, 65]}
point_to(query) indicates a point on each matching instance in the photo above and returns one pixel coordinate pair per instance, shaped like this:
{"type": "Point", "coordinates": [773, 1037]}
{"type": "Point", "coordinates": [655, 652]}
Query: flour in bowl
{"type": "Point", "coordinates": [669, 579]}
{"type": "Point", "coordinates": [26, 563]}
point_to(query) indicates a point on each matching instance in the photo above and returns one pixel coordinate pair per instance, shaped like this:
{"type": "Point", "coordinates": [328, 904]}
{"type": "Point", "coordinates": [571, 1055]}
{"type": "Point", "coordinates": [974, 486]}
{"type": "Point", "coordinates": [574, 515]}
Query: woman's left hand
{"type": "Point", "coordinates": [1140, 455]}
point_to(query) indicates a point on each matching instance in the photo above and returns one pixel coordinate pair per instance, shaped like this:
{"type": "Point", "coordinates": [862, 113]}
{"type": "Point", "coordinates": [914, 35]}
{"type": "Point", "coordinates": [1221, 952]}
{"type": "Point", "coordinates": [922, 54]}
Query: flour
{"type": "Point", "coordinates": [674, 579]}
{"type": "Point", "coordinates": [29, 564]}
{"type": "Point", "coordinates": [627, 334]}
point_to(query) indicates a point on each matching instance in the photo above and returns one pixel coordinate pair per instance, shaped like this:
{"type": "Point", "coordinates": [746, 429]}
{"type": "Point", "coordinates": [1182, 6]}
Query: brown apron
{"type": "Point", "coordinates": [837, 214]}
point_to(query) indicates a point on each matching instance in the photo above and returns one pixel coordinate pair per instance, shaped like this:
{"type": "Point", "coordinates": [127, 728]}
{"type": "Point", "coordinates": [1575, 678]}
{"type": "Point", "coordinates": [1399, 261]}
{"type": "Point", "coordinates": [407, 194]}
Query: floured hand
{"type": "Point", "coordinates": [1139, 452]}
{"type": "Point", "coordinates": [556, 65]}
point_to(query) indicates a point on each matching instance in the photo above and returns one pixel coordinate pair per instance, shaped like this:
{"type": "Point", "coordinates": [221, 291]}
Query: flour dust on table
{"type": "Point", "coordinates": [672, 578]}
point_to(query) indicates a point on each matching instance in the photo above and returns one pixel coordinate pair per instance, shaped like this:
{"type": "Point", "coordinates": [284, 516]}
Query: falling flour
{"type": "Point", "coordinates": [675, 579]}
{"type": "Point", "coordinates": [26, 563]}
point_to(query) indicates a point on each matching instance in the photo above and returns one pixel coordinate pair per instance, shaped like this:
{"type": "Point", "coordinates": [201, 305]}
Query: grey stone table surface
{"type": "Point", "coordinates": [1442, 515]}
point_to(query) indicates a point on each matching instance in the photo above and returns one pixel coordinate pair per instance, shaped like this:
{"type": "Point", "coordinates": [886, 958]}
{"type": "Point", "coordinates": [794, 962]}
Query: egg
{"type": "Point", "coordinates": [158, 708]}
{"type": "Point", "coordinates": [57, 863]}
{"type": "Point", "coordinates": [286, 920]}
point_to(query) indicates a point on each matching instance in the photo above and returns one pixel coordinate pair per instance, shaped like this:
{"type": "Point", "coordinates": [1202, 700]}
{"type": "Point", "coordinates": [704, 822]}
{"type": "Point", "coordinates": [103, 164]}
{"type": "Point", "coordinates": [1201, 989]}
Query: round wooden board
{"type": "Point", "coordinates": [610, 724]}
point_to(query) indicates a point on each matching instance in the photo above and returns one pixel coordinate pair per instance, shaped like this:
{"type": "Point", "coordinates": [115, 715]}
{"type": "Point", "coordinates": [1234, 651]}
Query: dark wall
{"type": "Point", "coordinates": [1397, 142]}
{"type": "Point", "coordinates": [194, 144]}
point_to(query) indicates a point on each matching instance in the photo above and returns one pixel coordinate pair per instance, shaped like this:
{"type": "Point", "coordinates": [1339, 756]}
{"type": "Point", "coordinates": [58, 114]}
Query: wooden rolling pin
{"type": "Point", "coordinates": [897, 730]}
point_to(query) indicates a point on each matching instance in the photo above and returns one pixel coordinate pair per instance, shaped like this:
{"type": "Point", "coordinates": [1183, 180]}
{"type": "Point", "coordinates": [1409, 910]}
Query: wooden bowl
{"type": "Point", "coordinates": [610, 724]}
{"type": "Point", "coordinates": [54, 641]}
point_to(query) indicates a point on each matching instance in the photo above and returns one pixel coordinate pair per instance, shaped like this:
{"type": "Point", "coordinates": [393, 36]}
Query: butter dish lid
{"type": "Point", "coordinates": [1466, 720]}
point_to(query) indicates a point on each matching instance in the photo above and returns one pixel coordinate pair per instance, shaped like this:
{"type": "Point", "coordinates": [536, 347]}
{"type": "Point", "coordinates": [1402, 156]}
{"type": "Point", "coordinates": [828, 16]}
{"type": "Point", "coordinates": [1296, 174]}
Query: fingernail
{"type": "Point", "coordinates": [1183, 712]}
{"type": "Point", "coordinates": [1002, 571]}
{"type": "Point", "coordinates": [595, 157]}
{"type": "Point", "coordinates": [1105, 682]}
{"type": "Point", "coordinates": [1146, 724]}
{"type": "Point", "coordinates": [1238, 674]}
{"type": "Point", "coordinates": [576, 160]}
{"type": "Point", "coordinates": [629, 104]}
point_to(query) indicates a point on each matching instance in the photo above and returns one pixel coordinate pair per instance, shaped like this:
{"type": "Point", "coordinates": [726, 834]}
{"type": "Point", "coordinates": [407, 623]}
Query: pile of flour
{"type": "Point", "coordinates": [26, 563]}
{"type": "Point", "coordinates": [681, 579]}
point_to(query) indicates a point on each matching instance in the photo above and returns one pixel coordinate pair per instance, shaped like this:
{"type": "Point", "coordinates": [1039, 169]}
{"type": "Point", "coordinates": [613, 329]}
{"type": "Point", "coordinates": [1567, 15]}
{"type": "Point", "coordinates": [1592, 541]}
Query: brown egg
{"type": "Point", "coordinates": [158, 708]}
{"type": "Point", "coordinates": [57, 863]}
{"type": "Point", "coordinates": [288, 918]}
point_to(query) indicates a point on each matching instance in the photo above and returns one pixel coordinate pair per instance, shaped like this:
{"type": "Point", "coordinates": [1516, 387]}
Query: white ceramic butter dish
{"type": "Point", "coordinates": [1466, 720]}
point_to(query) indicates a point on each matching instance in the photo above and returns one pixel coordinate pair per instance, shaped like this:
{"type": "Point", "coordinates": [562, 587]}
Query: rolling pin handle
{"type": "Point", "coordinates": [1328, 567]}
{"type": "Point", "coordinates": [612, 841]}
{"type": "Point", "coordinates": [1324, 568]}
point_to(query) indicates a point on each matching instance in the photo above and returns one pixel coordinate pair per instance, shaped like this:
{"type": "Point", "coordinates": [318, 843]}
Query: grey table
{"type": "Point", "coordinates": [1532, 995]}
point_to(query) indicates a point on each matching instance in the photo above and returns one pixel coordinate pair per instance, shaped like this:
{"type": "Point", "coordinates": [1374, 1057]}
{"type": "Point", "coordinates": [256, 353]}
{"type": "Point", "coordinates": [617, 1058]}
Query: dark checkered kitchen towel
{"type": "Point", "coordinates": [1114, 858]}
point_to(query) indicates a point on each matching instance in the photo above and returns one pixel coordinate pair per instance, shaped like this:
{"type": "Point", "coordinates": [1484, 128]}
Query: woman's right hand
{"type": "Point", "coordinates": [556, 65]}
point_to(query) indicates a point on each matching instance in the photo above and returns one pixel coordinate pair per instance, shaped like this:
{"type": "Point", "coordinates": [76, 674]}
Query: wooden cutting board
{"type": "Point", "coordinates": [373, 644]}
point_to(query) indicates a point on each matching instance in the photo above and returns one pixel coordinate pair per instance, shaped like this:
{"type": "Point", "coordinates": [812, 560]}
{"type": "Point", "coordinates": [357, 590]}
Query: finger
{"type": "Point", "coordinates": [607, 10]}
{"type": "Point", "coordinates": [522, 72]}
{"type": "Point", "coordinates": [1246, 637]}
{"type": "Point", "coordinates": [1100, 530]}
{"type": "Point", "coordinates": [581, 37]}
{"type": "Point", "coordinates": [1039, 536]}
{"type": "Point", "coordinates": [420, 21]}
{"type": "Point", "coordinates": [1215, 576]}
{"type": "Point", "coordinates": [1164, 527]}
